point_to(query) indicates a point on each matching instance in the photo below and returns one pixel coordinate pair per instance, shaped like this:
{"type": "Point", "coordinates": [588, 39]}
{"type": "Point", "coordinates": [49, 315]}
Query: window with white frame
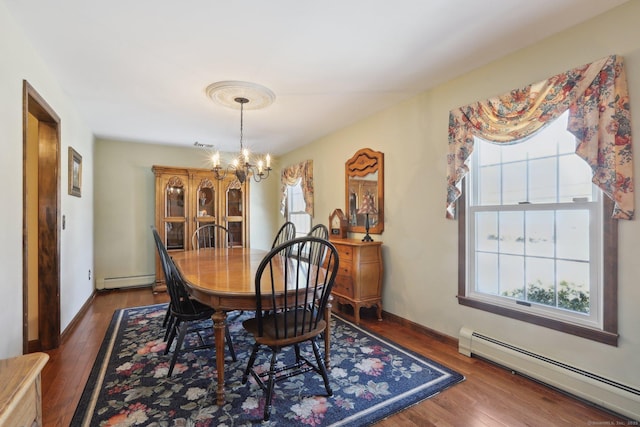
{"type": "Point", "coordinates": [295, 209]}
{"type": "Point", "coordinates": [537, 242]}
{"type": "Point", "coordinates": [534, 228]}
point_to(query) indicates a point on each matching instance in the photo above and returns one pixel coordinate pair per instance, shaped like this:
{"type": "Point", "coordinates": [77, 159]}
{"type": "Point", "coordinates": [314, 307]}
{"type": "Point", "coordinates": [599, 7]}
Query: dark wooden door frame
{"type": "Point", "coordinates": [48, 230]}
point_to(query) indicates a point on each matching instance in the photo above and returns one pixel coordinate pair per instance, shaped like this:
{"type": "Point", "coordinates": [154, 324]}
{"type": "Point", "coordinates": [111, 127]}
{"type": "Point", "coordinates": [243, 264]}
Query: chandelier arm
{"type": "Point", "coordinates": [217, 173]}
{"type": "Point", "coordinates": [259, 176]}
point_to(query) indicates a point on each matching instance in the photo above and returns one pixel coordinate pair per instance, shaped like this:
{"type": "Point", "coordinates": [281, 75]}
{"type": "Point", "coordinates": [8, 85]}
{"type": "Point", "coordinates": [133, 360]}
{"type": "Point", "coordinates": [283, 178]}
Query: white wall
{"type": "Point", "coordinates": [125, 205]}
{"type": "Point", "coordinates": [420, 245]}
{"type": "Point", "coordinates": [21, 62]}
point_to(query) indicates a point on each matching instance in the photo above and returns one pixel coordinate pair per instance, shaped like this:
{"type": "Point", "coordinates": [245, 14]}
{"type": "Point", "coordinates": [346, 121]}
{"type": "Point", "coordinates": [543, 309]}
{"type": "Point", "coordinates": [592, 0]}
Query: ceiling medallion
{"type": "Point", "coordinates": [226, 92]}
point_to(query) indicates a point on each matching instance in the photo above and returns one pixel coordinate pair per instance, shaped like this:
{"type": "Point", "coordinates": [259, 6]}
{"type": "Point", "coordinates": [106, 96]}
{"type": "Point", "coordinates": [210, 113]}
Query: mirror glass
{"type": "Point", "coordinates": [365, 191]}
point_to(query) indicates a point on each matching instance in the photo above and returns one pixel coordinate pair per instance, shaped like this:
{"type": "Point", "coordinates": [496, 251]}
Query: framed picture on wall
{"type": "Point", "coordinates": [75, 173]}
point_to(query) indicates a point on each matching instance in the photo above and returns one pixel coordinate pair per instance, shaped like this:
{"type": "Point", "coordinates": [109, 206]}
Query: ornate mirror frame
{"type": "Point", "coordinates": [364, 173]}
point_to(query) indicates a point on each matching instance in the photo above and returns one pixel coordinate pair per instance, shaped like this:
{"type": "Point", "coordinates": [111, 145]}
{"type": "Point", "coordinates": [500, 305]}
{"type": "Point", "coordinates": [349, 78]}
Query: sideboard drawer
{"type": "Point", "coordinates": [344, 269]}
{"type": "Point", "coordinates": [344, 252]}
{"type": "Point", "coordinates": [343, 287]}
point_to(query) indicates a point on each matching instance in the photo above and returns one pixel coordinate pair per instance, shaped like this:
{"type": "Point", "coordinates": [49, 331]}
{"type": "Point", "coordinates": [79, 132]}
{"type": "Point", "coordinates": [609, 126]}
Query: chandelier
{"type": "Point", "coordinates": [244, 165]}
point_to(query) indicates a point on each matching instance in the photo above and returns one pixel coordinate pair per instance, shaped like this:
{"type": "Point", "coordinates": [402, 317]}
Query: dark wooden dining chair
{"type": "Point", "coordinates": [320, 230]}
{"type": "Point", "coordinates": [286, 232]}
{"type": "Point", "coordinates": [294, 316]}
{"type": "Point", "coordinates": [161, 248]}
{"type": "Point", "coordinates": [184, 311]}
{"type": "Point", "coordinates": [210, 236]}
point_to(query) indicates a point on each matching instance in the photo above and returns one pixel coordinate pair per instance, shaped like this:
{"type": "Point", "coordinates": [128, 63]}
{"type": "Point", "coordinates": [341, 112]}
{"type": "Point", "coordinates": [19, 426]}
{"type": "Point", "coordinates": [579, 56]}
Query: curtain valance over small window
{"type": "Point", "coordinates": [290, 176]}
{"type": "Point", "coordinates": [597, 98]}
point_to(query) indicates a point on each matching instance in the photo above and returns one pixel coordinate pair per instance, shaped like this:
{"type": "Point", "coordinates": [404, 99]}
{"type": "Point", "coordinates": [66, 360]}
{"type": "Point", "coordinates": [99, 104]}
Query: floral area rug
{"type": "Point", "coordinates": [371, 379]}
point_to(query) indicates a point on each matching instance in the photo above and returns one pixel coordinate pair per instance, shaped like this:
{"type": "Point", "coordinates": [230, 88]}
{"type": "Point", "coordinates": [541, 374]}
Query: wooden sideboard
{"type": "Point", "coordinates": [21, 392]}
{"type": "Point", "coordinates": [359, 280]}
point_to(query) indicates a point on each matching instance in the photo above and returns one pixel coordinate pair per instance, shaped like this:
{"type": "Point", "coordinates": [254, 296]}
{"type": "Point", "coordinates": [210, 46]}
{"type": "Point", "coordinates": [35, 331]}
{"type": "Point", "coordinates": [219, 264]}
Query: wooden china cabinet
{"type": "Point", "coordinates": [187, 198]}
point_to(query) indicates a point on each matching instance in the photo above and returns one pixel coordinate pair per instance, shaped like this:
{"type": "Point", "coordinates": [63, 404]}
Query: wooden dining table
{"type": "Point", "coordinates": [224, 278]}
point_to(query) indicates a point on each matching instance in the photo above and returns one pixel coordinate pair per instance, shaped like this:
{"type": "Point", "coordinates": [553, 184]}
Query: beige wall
{"type": "Point", "coordinates": [420, 245]}
{"type": "Point", "coordinates": [125, 207]}
{"type": "Point", "coordinates": [21, 62]}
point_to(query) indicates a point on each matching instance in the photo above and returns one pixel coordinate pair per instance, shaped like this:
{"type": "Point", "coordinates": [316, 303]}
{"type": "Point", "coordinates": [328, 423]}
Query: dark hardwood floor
{"type": "Point", "coordinates": [490, 395]}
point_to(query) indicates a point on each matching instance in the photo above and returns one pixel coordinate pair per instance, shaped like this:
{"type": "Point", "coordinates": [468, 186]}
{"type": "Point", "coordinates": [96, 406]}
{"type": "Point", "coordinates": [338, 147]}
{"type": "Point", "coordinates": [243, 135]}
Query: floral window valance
{"type": "Point", "coordinates": [597, 98]}
{"type": "Point", "coordinates": [290, 176]}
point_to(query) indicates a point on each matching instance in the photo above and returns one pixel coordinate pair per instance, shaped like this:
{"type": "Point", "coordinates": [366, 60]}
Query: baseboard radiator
{"type": "Point", "coordinates": [617, 397]}
{"type": "Point", "coordinates": [126, 282]}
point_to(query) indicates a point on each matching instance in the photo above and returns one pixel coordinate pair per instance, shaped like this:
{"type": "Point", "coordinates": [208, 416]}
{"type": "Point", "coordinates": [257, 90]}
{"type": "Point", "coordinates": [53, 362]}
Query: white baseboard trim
{"type": "Point", "coordinates": [620, 398]}
{"type": "Point", "coordinates": [126, 282]}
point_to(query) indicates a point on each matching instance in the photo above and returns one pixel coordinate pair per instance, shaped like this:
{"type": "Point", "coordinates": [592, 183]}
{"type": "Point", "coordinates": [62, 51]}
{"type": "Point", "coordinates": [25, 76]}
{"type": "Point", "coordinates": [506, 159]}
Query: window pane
{"type": "Point", "coordinates": [540, 145]}
{"type": "Point", "coordinates": [566, 143]}
{"type": "Point", "coordinates": [542, 181]}
{"type": "Point", "coordinates": [514, 183]}
{"type": "Point", "coordinates": [489, 154]}
{"type": "Point", "coordinates": [489, 185]}
{"type": "Point", "coordinates": [573, 286]}
{"type": "Point", "coordinates": [487, 231]}
{"type": "Point", "coordinates": [511, 274]}
{"type": "Point", "coordinates": [487, 273]}
{"type": "Point", "coordinates": [574, 179]}
{"type": "Point", "coordinates": [565, 140]}
{"type": "Point", "coordinates": [512, 232]}
{"type": "Point", "coordinates": [572, 234]}
{"type": "Point", "coordinates": [295, 197]}
{"type": "Point", "coordinates": [296, 209]}
{"type": "Point", "coordinates": [540, 235]}
{"type": "Point", "coordinates": [302, 221]}
{"type": "Point", "coordinates": [540, 278]}
{"type": "Point", "coordinates": [513, 152]}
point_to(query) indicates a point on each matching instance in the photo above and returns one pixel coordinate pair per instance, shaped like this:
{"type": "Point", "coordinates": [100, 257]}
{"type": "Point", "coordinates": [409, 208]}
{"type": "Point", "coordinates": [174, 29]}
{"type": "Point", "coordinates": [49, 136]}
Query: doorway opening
{"type": "Point", "coordinates": [40, 225]}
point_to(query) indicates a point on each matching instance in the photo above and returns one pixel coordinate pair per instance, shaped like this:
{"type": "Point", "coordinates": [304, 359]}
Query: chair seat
{"type": "Point", "coordinates": [193, 310]}
{"type": "Point", "coordinates": [280, 330]}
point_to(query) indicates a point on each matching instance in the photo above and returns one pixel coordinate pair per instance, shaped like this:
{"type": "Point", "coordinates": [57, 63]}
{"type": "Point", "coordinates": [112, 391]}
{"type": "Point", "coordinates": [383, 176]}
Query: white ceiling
{"type": "Point", "coordinates": [137, 70]}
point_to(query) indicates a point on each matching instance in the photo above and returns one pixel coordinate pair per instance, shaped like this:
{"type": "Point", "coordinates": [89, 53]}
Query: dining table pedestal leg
{"type": "Point", "coordinates": [219, 325]}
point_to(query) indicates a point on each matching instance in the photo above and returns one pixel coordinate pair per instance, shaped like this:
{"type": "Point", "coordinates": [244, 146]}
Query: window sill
{"type": "Point", "coordinates": [581, 331]}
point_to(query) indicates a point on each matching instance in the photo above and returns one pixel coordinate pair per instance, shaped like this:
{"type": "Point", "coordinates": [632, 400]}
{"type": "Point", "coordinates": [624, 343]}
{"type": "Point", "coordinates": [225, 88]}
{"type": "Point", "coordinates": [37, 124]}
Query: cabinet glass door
{"type": "Point", "coordinates": [235, 223]}
{"type": "Point", "coordinates": [174, 213]}
{"type": "Point", "coordinates": [174, 233]}
{"type": "Point", "coordinates": [206, 202]}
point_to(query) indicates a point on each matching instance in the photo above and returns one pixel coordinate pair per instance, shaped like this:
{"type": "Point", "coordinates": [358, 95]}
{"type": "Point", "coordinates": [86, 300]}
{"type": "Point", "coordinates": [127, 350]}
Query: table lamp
{"type": "Point", "coordinates": [367, 208]}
